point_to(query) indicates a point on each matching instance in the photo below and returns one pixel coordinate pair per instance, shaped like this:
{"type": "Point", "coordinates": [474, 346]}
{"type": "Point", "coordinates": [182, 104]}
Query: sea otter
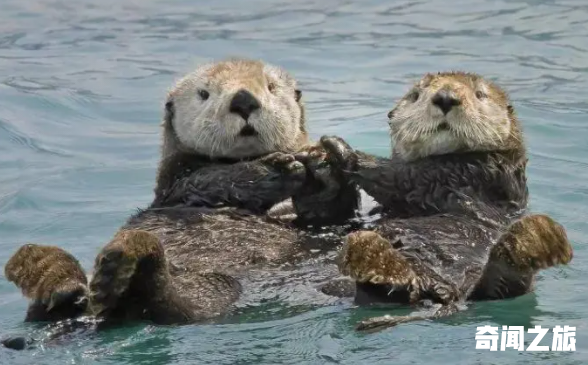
{"type": "Point", "coordinates": [454, 225]}
{"type": "Point", "coordinates": [230, 134]}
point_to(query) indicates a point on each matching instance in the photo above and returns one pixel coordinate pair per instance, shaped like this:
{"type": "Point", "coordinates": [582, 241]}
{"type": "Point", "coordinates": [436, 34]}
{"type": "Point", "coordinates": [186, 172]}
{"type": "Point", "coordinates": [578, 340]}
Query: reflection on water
{"type": "Point", "coordinates": [81, 92]}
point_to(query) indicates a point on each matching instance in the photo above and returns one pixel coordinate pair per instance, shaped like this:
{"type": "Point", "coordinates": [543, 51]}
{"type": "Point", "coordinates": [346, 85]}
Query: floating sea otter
{"type": "Point", "coordinates": [454, 196]}
{"type": "Point", "coordinates": [230, 133]}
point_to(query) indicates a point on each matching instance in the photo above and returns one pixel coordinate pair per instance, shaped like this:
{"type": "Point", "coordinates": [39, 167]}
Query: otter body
{"type": "Point", "coordinates": [453, 196]}
{"type": "Point", "coordinates": [232, 134]}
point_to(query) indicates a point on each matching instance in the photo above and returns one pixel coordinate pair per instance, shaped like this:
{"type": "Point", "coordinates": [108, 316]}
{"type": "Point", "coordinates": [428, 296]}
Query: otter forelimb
{"type": "Point", "coordinates": [254, 185]}
{"type": "Point", "coordinates": [433, 184]}
{"type": "Point", "coordinates": [132, 269]}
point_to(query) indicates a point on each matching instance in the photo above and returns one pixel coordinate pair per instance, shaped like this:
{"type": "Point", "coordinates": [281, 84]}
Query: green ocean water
{"type": "Point", "coordinates": [81, 92]}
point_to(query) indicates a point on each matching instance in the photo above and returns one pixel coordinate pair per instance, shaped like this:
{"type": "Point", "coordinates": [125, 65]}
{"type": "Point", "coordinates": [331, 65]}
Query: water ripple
{"type": "Point", "coordinates": [81, 98]}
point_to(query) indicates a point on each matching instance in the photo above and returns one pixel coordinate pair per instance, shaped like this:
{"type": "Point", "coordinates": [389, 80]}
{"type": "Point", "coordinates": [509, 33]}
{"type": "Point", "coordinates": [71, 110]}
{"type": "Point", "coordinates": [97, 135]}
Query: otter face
{"type": "Point", "coordinates": [452, 112]}
{"type": "Point", "coordinates": [237, 109]}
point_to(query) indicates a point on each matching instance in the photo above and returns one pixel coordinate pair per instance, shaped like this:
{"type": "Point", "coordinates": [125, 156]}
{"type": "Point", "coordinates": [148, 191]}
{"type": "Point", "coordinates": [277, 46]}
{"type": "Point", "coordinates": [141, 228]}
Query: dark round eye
{"type": "Point", "coordinates": [480, 94]}
{"type": "Point", "coordinates": [297, 94]}
{"type": "Point", "coordinates": [203, 94]}
{"type": "Point", "coordinates": [414, 96]}
{"type": "Point", "coordinates": [271, 87]}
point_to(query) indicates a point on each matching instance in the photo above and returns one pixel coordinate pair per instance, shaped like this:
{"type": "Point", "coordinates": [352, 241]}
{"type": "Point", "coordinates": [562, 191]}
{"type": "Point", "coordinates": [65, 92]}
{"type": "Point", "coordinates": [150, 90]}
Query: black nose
{"type": "Point", "coordinates": [445, 100]}
{"type": "Point", "coordinates": [244, 103]}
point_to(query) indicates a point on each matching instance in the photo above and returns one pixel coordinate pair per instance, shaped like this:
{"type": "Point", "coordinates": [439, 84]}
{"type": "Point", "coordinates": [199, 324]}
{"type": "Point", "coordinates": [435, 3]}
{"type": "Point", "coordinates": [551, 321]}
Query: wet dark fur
{"type": "Point", "coordinates": [454, 228]}
{"type": "Point", "coordinates": [423, 201]}
{"type": "Point", "coordinates": [181, 259]}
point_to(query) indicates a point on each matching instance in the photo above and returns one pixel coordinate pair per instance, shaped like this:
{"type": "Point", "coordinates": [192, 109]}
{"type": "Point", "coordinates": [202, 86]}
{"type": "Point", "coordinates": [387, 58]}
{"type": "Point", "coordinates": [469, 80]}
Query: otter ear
{"type": "Point", "coordinates": [510, 109]}
{"type": "Point", "coordinates": [426, 80]}
{"type": "Point", "coordinates": [169, 112]}
{"type": "Point", "coordinates": [298, 95]}
{"type": "Point", "coordinates": [390, 114]}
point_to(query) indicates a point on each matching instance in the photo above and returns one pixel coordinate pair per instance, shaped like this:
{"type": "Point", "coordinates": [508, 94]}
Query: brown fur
{"type": "Point", "coordinates": [532, 243]}
{"type": "Point", "coordinates": [52, 278]}
{"type": "Point", "coordinates": [412, 133]}
{"type": "Point", "coordinates": [452, 197]}
{"type": "Point", "coordinates": [367, 257]}
{"type": "Point", "coordinates": [181, 259]}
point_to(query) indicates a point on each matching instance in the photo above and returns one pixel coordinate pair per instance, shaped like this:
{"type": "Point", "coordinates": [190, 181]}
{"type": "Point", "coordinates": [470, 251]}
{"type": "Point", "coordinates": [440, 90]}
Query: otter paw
{"type": "Point", "coordinates": [318, 167]}
{"type": "Point", "coordinates": [533, 242]}
{"type": "Point", "coordinates": [131, 255]}
{"type": "Point", "coordinates": [339, 153]}
{"type": "Point", "coordinates": [52, 278]}
{"type": "Point", "coordinates": [285, 163]}
{"type": "Point", "coordinates": [312, 157]}
{"type": "Point", "coordinates": [368, 257]}
{"type": "Point", "coordinates": [68, 294]}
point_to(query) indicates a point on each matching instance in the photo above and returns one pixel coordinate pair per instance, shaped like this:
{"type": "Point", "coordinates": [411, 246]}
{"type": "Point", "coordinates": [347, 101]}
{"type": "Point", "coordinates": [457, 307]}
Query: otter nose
{"type": "Point", "coordinates": [244, 103]}
{"type": "Point", "coordinates": [445, 100]}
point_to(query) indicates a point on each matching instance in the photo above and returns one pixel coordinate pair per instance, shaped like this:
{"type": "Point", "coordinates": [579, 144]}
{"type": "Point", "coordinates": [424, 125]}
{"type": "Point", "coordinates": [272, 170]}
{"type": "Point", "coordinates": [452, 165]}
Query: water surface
{"type": "Point", "coordinates": [81, 92]}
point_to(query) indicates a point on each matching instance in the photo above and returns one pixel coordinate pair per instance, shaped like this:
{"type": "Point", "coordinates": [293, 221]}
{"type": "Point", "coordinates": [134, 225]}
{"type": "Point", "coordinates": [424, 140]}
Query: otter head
{"type": "Point", "coordinates": [234, 109]}
{"type": "Point", "coordinates": [453, 112]}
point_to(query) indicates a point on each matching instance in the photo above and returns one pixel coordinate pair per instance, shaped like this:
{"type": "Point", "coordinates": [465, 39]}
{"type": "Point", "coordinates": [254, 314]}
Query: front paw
{"type": "Point", "coordinates": [132, 257]}
{"type": "Point", "coordinates": [327, 196]}
{"type": "Point", "coordinates": [285, 163]}
{"type": "Point", "coordinates": [319, 171]}
{"type": "Point", "coordinates": [339, 153]}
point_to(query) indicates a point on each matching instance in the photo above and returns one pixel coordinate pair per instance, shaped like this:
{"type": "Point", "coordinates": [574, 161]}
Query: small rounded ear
{"type": "Point", "coordinates": [298, 94]}
{"type": "Point", "coordinates": [510, 109]}
{"type": "Point", "coordinates": [390, 114]}
{"type": "Point", "coordinates": [426, 80]}
{"type": "Point", "coordinates": [169, 112]}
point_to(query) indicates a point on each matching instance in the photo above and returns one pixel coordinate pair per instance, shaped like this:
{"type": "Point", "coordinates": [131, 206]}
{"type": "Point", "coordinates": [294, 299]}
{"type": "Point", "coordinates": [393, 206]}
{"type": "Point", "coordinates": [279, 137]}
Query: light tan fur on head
{"type": "Point", "coordinates": [199, 117]}
{"type": "Point", "coordinates": [480, 119]}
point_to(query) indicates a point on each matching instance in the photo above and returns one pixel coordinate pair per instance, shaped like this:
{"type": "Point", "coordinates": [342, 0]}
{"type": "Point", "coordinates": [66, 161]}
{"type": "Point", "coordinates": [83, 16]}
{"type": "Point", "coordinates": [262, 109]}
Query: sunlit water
{"type": "Point", "coordinates": [81, 89]}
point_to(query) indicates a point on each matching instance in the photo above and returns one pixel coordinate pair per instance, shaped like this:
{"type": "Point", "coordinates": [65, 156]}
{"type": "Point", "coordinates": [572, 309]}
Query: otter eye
{"type": "Point", "coordinates": [480, 95]}
{"type": "Point", "coordinates": [298, 94]}
{"type": "Point", "coordinates": [271, 87]}
{"type": "Point", "coordinates": [414, 96]}
{"type": "Point", "coordinates": [203, 94]}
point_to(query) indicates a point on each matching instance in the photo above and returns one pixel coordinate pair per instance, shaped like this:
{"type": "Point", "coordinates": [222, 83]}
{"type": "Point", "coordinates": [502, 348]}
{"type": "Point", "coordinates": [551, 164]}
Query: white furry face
{"type": "Point", "coordinates": [237, 109]}
{"type": "Point", "coordinates": [450, 112]}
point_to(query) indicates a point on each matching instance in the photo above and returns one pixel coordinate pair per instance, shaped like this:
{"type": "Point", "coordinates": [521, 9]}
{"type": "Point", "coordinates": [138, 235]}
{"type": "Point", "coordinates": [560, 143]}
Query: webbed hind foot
{"type": "Point", "coordinates": [52, 278]}
{"type": "Point", "coordinates": [132, 257]}
{"type": "Point", "coordinates": [532, 243]}
{"type": "Point", "coordinates": [371, 259]}
{"type": "Point", "coordinates": [528, 245]}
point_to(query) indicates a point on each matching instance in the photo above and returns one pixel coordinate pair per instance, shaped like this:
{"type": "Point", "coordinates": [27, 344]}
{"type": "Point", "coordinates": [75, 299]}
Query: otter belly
{"type": "Point", "coordinates": [202, 239]}
{"type": "Point", "coordinates": [444, 249]}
